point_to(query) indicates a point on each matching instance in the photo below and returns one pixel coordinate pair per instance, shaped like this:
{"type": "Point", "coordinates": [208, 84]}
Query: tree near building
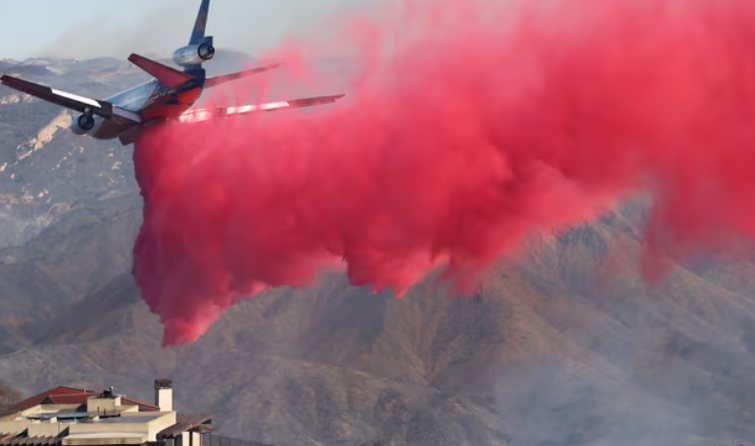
{"type": "Point", "coordinates": [8, 398]}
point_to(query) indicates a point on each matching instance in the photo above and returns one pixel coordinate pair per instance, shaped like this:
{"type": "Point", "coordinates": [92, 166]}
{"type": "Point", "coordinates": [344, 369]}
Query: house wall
{"type": "Point", "coordinates": [46, 429]}
{"type": "Point", "coordinates": [13, 428]}
{"type": "Point", "coordinates": [33, 410]}
{"type": "Point", "coordinates": [102, 405]}
{"type": "Point", "coordinates": [164, 422]}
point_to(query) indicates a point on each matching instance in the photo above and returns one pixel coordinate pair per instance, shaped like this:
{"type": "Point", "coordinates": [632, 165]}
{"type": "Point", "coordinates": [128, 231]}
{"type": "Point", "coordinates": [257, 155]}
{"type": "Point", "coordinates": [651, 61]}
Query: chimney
{"type": "Point", "coordinates": [164, 394]}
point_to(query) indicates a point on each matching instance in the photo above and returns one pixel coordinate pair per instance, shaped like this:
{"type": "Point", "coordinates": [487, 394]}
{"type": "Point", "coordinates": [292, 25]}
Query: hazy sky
{"type": "Point", "coordinates": [87, 28]}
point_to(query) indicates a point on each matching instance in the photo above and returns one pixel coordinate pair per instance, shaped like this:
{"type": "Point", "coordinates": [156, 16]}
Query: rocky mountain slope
{"type": "Point", "coordinates": [568, 347]}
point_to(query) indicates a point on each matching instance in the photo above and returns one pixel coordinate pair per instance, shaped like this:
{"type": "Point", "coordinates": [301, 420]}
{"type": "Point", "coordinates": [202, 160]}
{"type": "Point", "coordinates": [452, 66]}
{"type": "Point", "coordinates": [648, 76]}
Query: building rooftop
{"type": "Point", "coordinates": [67, 416]}
{"type": "Point", "coordinates": [70, 395]}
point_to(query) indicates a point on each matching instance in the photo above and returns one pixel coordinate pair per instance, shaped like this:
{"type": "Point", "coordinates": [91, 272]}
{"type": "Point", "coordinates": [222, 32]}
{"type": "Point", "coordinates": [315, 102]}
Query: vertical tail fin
{"type": "Point", "coordinates": [197, 34]}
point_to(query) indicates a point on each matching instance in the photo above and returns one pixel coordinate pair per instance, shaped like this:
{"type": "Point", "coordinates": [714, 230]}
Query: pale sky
{"type": "Point", "coordinates": [93, 28]}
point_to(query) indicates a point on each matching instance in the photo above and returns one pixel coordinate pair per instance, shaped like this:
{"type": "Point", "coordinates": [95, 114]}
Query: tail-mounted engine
{"type": "Point", "coordinates": [195, 54]}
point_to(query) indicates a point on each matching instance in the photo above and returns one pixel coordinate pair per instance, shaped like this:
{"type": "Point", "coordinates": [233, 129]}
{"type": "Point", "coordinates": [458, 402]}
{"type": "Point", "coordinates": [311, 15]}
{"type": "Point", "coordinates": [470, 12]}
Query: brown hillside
{"type": "Point", "coordinates": [568, 347]}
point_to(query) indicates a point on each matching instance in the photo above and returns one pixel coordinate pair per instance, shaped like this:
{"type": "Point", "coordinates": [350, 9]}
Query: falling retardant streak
{"type": "Point", "coordinates": [475, 124]}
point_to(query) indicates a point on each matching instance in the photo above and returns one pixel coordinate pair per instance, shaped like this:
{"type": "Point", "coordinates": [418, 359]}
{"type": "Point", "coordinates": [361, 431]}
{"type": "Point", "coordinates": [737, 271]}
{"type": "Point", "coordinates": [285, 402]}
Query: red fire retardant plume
{"type": "Point", "coordinates": [476, 124]}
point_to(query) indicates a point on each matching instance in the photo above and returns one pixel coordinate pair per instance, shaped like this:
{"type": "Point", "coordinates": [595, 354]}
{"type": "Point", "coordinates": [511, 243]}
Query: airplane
{"type": "Point", "coordinates": [169, 96]}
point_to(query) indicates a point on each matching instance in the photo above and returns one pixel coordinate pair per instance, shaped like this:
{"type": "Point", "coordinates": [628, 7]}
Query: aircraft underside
{"type": "Point", "coordinates": [169, 96]}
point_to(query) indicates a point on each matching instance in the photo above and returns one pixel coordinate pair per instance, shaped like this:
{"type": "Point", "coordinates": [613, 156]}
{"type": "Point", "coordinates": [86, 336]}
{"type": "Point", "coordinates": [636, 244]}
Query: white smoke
{"type": "Point", "coordinates": [252, 26]}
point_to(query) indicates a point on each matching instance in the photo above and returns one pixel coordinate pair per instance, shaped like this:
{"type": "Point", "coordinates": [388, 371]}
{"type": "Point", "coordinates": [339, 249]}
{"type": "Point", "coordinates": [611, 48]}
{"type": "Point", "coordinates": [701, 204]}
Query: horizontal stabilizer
{"type": "Point", "coordinates": [219, 112]}
{"type": "Point", "coordinates": [69, 100]}
{"type": "Point", "coordinates": [165, 74]}
{"type": "Point", "coordinates": [218, 80]}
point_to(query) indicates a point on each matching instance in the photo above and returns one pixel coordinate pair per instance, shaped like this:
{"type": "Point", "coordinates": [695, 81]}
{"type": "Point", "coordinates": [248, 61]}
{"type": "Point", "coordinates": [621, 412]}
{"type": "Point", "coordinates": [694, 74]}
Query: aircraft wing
{"type": "Point", "coordinates": [222, 79]}
{"type": "Point", "coordinates": [69, 100]}
{"type": "Point", "coordinates": [204, 114]}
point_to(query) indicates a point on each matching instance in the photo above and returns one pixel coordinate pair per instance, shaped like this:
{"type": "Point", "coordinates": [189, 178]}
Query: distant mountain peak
{"type": "Point", "coordinates": [45, 135]}
{"type": "Point", "coordinates": [15, 99]}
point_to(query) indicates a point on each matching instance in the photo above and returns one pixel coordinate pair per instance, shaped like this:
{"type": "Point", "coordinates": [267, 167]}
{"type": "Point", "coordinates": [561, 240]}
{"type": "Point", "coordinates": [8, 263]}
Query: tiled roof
{"type": "Point", "coordinates": [37, 399]}
{"type": "Point", "coordinates": [68, 398]}
{"type": "Point", "coordinates": [184, 422]}
{"type": "Point", "coordinates": [69, 395]}
{"type": "Point", "coordinates": [143, 407]}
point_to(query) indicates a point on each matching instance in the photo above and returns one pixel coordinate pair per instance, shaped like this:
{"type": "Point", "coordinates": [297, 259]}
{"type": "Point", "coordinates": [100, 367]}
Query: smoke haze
{"type": "Point", "coordinates": [158, 28]}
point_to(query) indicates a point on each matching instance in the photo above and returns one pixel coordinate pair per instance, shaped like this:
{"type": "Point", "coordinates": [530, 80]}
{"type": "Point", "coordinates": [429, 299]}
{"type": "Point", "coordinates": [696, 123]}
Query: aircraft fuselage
{"type": "Point", "coordinates": [153, 101]}
{"type": "Point", "coordinates": [170, 93]}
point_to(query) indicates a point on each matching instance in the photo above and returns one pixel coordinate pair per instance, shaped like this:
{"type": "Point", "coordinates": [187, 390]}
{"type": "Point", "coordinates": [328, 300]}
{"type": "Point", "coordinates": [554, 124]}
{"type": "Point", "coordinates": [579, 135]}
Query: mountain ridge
{"type": "Point", "coordinates": [567, 345]}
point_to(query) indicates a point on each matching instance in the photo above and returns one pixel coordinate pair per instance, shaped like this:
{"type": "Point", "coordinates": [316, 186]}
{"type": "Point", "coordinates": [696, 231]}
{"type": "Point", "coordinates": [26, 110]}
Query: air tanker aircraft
{"type": "Point", "coordinates": [167, 97]}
